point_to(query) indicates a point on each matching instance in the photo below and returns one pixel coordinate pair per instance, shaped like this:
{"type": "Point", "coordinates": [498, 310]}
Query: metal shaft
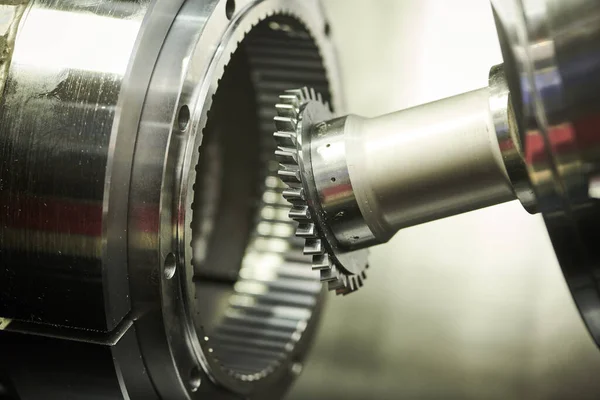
{"type": "Point", "coordinates": [410, 167]}
{"type": "Point", "coordinates": [426, 163]}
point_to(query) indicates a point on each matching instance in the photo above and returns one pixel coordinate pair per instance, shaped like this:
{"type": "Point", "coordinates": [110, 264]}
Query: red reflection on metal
{"type": "Point", "coordinates": [51, 215]}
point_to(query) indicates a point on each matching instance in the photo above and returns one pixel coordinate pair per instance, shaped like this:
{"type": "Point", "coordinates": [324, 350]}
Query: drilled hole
{"type": "Point", "coordinates": [183, 118]}
{"type": "Point", "coordinates": [195, 379]}
{"type": "Point", "coordinates": [333, 179]}
{"type": "Point", "coordinates": [327, 29]}
{"type": "Point", "coordinates": [170, 266]}
{"type": "Point", "coordinates": [230, 9]}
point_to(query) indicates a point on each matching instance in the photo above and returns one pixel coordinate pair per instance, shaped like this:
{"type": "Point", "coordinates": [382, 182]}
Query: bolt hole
{"type": "Point", "coordinates": [327, 29]}
{"type": "Point", "coordinates": [333, 179]}
{"type": "Point", "coordinates": [170, 266]}
{"type": "Point", "coordinates": [183, 118]}
{"type": "Point", "coordinates": [230, 9]}
{"type": "Point", "coordinates": [195, 379]}
{"type": "Point", "coordinates": [356, 237]}
{"type": "Point", "coordinates": [328, 145]}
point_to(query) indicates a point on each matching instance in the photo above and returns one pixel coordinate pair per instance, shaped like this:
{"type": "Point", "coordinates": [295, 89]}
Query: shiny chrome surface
{"type": "Point", "coordinates": [553, 63]}
{"type": "Point", "coordinates": [412, 166]}
{"type": "Point", "coordinates": [426, 163]}
{"type": "Point", "coordinates": [64, 167]}
{"type": "Point", "coordinates": [11, 13]}
{"type": "Point", "coordinates": [509, 138]}
{"type": "Point", "coordinates": [334, 186]}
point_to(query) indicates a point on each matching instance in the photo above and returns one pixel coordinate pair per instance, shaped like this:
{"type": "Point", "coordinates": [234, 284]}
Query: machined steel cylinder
{"type": "Point", "coordinates": [426, 163]}
{"type": "Point", "coordinates": [378, 175]}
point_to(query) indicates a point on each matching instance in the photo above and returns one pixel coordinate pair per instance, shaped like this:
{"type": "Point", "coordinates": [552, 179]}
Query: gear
{"type": "Point", "coordinates": [292, 117]}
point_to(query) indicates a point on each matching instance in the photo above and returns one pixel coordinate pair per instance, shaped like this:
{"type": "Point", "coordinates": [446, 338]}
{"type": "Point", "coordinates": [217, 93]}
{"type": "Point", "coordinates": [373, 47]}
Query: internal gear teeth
{"type": "Point", "coordinates": [313, 247]}
{"type": "Point", "coordinates": [285, 123]}
{"type": "Point", "coordinates": [307, 231]}
{"type": "Point", "coordinates": [300, 213]}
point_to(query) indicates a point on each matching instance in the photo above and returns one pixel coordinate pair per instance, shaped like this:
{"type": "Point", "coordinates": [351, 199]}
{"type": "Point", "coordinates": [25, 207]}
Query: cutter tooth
{"type": "Point", "coordinates": [294, 195]}
{"type": "Point", "coordinates": [299, 94]}
{"type": "Point", "coordinates": [289, 113]}
{"type": "Point", "coordinates": [350, 283]}
{"type": "Point", "coordinates": [285, 124]}
{"type": "Point", "coordinates": [313, 247]}
{"type": "Point", "coordinates": [300, 213]}
{"type": "Point", "coordinates": [359, 281]}
{"type": "Point", "coordinates": [286, 156]}
{"type": "Point", "coordinates": [290, 174]}
{"type": "Point", "coordinates": [307, 230]}
{"type": "Point", "coordinates": [306, 93]}
{"type": "Point", "coordinates": [328, 275]}
{"type": "Point", "coordinates": [285, 139]}
{"type": "Point", "coordinates": [337, 285]}
{"type": "Point", "coordinates": [290, 99]}
{"type": "Point", "coordinates": [322, 262]}
{"type": "Point", "coordinates": [287, 110]}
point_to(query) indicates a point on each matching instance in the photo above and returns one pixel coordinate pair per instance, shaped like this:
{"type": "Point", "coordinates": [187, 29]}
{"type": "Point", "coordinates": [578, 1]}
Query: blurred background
{"type": "Point", "coordinates": [471, 307]}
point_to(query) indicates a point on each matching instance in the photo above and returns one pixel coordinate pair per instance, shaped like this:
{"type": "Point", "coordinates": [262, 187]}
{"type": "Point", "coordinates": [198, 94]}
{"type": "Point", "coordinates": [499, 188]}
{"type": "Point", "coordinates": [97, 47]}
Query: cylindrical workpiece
{"type": "Point", "coordinates": [426, 163]}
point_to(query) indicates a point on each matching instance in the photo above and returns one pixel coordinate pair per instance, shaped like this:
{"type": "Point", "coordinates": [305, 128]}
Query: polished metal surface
{"type": "Point", "coordinates": [334, 186]}
{"type": "Point", "coordinates": [11, 12]}
{"type": "Point", "coordinates": [426, 163]}
{"type": "Point", "coordinates": [66, 144]}
{"type": "Point", "coordinates": [300, 153]}
{"type": "Point", "coordinates": [142, 226]}
{"type": "Point", "coordinates": [509, 138]}
{"type": "Point", "coordinates": [375, 176]}
{"type": "Point", "coordinates": [552, 58]}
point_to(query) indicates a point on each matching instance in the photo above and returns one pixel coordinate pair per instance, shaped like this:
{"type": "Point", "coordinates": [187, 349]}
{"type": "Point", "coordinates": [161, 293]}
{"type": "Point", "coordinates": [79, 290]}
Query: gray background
{"type": "Point", "coordinates": [471, 307]}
